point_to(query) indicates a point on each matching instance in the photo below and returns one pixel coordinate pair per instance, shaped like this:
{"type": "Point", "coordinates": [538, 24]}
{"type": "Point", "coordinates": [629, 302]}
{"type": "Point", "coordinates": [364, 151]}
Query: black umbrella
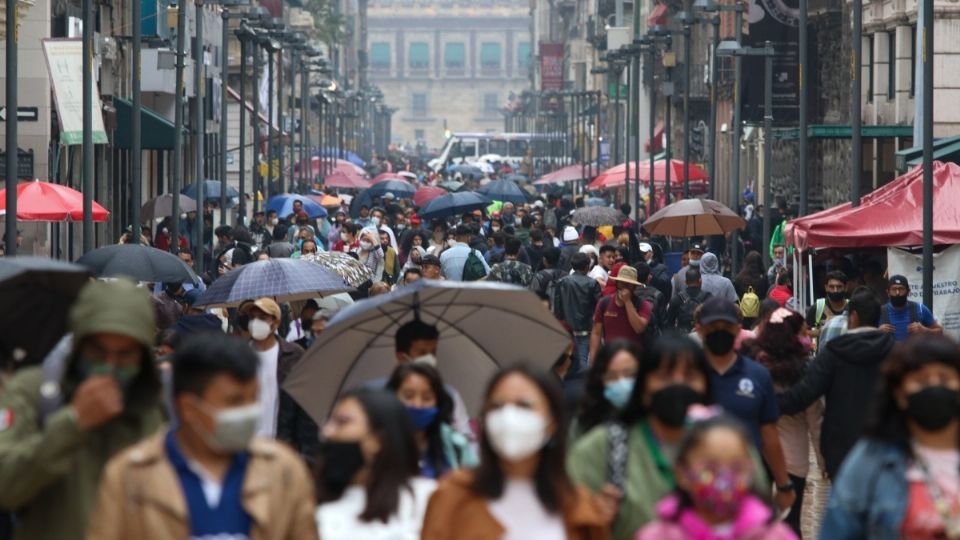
{"type": "Point", "coordinates": [284, 280]}
{"type": "Point", "coordinates": [453, 204]}
{"type": "Point", "coordinates": [162, 206]}
{"type": "Point", "coordinates": [141, 263]}
{"type": "Point", "coordinates": [35, 298]}
{"type": "Point", "coordinates": [504, 191]}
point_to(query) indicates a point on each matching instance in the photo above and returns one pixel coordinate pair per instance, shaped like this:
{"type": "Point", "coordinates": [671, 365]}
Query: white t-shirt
{"type": "Point", "coordinates": [522, 516]}
{"type": "Point", "coordinates": [269, 393]}
{"type": "Point", "coordinates": [598, 273]}
{"type": "Point", "coordinates": [338, 520]}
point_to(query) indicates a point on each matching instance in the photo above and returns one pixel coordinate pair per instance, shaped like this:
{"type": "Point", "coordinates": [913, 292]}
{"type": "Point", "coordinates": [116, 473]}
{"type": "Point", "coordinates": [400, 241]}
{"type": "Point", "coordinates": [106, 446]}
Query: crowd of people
{"type": "Point", "coordinates": [685, 406]}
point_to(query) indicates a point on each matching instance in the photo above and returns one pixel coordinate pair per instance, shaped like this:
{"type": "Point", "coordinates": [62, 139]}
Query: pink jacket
{"type": "Point", "coordinates": [752, 523]}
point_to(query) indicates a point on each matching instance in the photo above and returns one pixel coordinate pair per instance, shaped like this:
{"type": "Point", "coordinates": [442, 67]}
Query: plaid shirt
{"type": "Point", "coordinates": [835, 326]}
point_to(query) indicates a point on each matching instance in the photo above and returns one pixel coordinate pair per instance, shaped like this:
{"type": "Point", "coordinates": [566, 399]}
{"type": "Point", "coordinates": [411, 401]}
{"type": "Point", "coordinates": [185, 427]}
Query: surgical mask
{"type": "Point", "coordinates": [375, 221]}
{"type": "Point", "coordinates": [898, 301]}
{"type": "Point", "coordinates": [719, 342]}
{"type": "Point", "coordinates": [495, 228]}
{"type": "Point", "coordinates": [933, 407]}
{"type": "Point", "coordinates": [422, 417]}
{"type": "Point", "coordinates": [400, 226]}
{"type": "Point", "coordinates": [259, 330]}
{"type": "Point", "coordinates": [515, 433]}
{"type": "Point", "coordinates": [274, 221]}
{"type": "Point", "coordinates": [366, 245]}
{"type": "Point", "coordinates": [836, 296]}
{"type": "Point", "coordinates": [719, 490]}
{"type": "Point", "coordinates": [344, 237]}
{"type": "Point", "coordinates": [340, 462]}
{"type": "Point", "coordinates": [427, 359]}
{"type": "Point", "coordinates": [694, 264]}
{"type": "Point", "coordinates": [619, 391]}
{"type": "Point", "coordinates": [233, 428]}
{"type": "Point", "coordinates": [300, 243]}
{"type": "Point", "coordinates": [669, 404]}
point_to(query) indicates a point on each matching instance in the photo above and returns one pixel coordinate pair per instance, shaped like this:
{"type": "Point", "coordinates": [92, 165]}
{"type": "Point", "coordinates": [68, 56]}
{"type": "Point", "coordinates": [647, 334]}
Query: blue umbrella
{"type": "Point", "coordinates": [401, 188]}
{"type": "Point", "coordinates": [283, 206]}
{"type": "Point", "coordinates": [465, 169]}
{"type": "Point", "coordinates": [211, 190]}
{"type": "Point", "coordinates": [505, 191]}
{"type": "Point", "coordinates": [344, 154]}
{"type": "Point", "coordinates": [284, 280]}
{"type": "Point", "coordinates": [454, 204]}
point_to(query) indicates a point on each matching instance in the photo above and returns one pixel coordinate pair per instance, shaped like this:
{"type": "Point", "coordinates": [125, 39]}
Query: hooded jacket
{"type": "Point", "coordinates": [845, 372]}
{"type": "Point", "coordinates": [49, 467]}
{"type": "Point", "coordinates": [713, 283]}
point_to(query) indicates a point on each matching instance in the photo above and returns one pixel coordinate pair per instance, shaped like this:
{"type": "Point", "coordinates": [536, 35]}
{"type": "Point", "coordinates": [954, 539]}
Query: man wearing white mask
{"type": "Point", "coordinates": [208, 477]}
{"type": "Point", "coordinates": [280, 416]}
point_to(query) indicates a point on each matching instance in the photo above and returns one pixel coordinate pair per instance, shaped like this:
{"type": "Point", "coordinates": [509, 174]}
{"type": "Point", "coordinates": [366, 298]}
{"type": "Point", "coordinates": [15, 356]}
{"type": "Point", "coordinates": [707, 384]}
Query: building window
{"type": "Point", "coordinates": [454, 55]}
{"type": "Point", "coordinates": [490, 55]}
{"type": "Point", "coordinates": [491, 104]}
{"type": "Point", "coordinates": [419, 105]}
{"type": "Point", "coordinates": [868, 52]}
{"type": "Point", "coordinates": [524, 56]}
{"type": "Point", "coordinates": [380, 56]}
{"type": "Point", "coordinates": [913, 60]}
{"type": "Point", "coordinates": [420, 135]}
{"type": "Point", "coordinates": [891, 65]}
{"type": "Point", "coordinates": [419, 56]}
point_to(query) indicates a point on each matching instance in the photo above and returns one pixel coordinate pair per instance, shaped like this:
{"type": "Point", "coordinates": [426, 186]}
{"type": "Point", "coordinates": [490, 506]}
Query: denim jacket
{"type": "Point", "coordinates": [870, 495]}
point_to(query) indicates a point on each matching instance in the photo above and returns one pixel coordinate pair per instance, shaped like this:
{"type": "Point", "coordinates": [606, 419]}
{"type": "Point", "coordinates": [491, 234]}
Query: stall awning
{"type": "Point", "coordinates": [156, 132]}
{"type": "Point", "coordinates": [946, 150]}
{"type": "Point", "coordinates": [234, 95]}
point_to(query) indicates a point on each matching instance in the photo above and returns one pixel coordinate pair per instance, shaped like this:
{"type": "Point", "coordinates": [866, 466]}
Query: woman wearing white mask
{"type": "Point", "coordinates": [370, 253]}
{"type": "Point", "coordinates": [521, 489]}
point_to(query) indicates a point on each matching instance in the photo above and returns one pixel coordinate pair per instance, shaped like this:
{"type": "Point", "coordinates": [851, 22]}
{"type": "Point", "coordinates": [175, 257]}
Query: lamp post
{"type": "Point", "coordinates": [199, 145]}
{"type": "Point", "coordinates": [804, 89]}
{"type": "Point", "coordinates": [178, 130]}
{"type": "Point", "coordinates": [927, 56]}
{"type": "Point", "coordinates": [136, 152]}
{"type": "Point", "coordinates": [856, 107]}
{"type": "Point", "coordinates": [10, 220]}
{"type": "Point", "coordinates": [225, 17]}
{"type": "Point", "coordinates": [686, 19]}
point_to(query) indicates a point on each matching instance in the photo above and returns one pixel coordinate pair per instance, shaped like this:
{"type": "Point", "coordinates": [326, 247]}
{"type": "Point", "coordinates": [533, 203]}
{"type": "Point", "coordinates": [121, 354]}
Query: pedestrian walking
{"type": "Point", "coordinates": [622, 315]}
{"type": "Point", "coordinates": [714, 283]}
{"type": "Point", "coordinates": [461, 262]}
{"type": "Point", "coordinates": [608, 387]}
{"type": "Point", "coordinates": [832, 305]}
{"type": "Point", "coordinates": [694, 253]}
{"type": "Point", "coordinates": [683, 307]}
{"type": "Point", "coordinates": [208, 477]}
{"type": "Point", "coordinates": [902, 317]}
{"type": "Point", "coordinates": [512, 270]}
{"type": "Point", "coordinates": [576, 301]}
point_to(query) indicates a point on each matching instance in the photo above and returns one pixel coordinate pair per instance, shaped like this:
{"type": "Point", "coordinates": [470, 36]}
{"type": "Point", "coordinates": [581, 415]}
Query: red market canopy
{"type": "Point", "coordinates": [45, 201]}
{"type": "Point", "coordinates": [614, 176]}
{"type": "Point", "coordinates": [890, 216]}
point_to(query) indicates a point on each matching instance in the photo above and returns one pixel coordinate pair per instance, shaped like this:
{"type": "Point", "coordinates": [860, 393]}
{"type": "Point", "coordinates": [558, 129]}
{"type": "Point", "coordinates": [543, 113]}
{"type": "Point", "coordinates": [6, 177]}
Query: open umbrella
{"type": "Point", "coordinates": [598, 216]}
{"type": "Point", "coordinates": [504, 190]}
{"type": "Point", "coordinates": [283, 205]}
{"type": "Point", "coordinates": [35, 296]}
{"type": "Point", "coordinates": [211, 190]}
{"type": "Point", "coordinates": [427, 194]}
{"type": "Point", "coordinates": [483, 328]}
{"type": "Point", "coordinates": [284, 280]}
{"type": "Point", "coordinates": [140, 263]}
{"type": "Point", "coordinates": [46, 201]}
{"type": "Point", "coordinates": [407, 175]}
{"type": "Point", "coordinates": [453, 204]}
{"type": "Point", "coordinates": [341, 179]}
{"type": "Point", "coordinates": [467, 170]}
{"type": "Point", "coordinates": [385, 176]}
{"type": "Point", "coordinates": [693, 217]}
{"type": "Point", "coordinates": [354, 272]}
{"type": "Point", "coordinates": [452, 186]}
{"type": "Point", "coordinates": [327, 201]}
{"type": "Point", "coordinates": [162, 206]}
{"type": "Point", "coordinates": [400, 188]}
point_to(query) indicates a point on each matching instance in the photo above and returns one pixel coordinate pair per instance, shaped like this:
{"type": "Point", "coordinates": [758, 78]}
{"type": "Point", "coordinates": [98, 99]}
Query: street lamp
{"type": "Point", "coordinates": [686, 19]}
{"type": "Point", "coordinates": [225, 17]}
{"type": "Point", "coordinates": [731, 48]}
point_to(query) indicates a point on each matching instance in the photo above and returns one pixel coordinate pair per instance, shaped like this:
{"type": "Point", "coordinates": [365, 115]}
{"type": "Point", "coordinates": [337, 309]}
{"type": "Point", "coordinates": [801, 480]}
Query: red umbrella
{"type": "Point", "coordinates": [386, 176]}
{"type": "Point", "coordinates": [44, 201]}
{"type": "Point", "coordinates": [427, 194]}
{"type": "Point", "coordinates": [340, 179]}
{"type": "Point", "coordinates": [614, 176]}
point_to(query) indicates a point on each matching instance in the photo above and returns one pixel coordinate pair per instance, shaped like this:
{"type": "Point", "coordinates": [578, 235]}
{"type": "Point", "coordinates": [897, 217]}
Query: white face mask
{"type": "Point", "coordinates": [366, 245]}
{"type": "Point", "coordinates": [259, 330]}
{"type": "Point", "coordinates": [344, 237]}
{"type": "Point", "coordinates": [233, 428]}
{"type": "Point", "coordinates": [427, 359]}
{"type": "Point", "coordinates": [274, 221]}
{"type": "Point", "coordinates": [515, 433]}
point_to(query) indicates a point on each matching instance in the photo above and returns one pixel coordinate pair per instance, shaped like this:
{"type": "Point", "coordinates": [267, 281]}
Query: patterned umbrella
{"type": "Point", "coordinates": [284, 280]}
{"type": "Point", "coordinates": [598, 216]}
{"type": "Point", "coordinates": [351, 270]}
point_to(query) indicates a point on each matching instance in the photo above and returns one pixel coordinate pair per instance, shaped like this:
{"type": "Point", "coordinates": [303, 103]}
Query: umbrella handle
{"type": "Point", "coordinates": [416, 306]}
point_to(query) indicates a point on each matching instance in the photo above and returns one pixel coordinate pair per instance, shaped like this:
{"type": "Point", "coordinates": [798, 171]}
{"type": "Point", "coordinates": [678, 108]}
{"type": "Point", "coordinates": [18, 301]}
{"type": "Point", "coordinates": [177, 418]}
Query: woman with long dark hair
{"type": "Point", "coordinates": [608, 388]}
{"type": "Point", "coordinates": [752, 276]}
{"type": "Point", "coordinates": [902, 480]}
{"type": "Point", "coordinates": [521, 489]}
{"type": "Point", "coordinates": [420, 389]}
{"type": "Point", "coordinates": [367, 485]}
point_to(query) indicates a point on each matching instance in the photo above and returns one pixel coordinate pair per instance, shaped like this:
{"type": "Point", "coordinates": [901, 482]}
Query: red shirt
{"type": "Point", "coordinates": [781, 293]}
{"type": "Point", "coordinates": [614, 319]}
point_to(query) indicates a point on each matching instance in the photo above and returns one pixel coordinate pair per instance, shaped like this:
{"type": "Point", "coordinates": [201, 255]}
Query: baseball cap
{"type": "Point", "coordinates": [645, 247]}
{"type": "Point", "coordinates": [428, 260]}
{"type": "Point", "coordinates": [266, 305]}
{"type": "Point", "coordinates": [190, 297]}
{"type": "Point", "coordinates": [719, 309]}
{"type": "Point", "coordinates": [697, 246]}
{"type": "Point", "coordinates": [899, 280]}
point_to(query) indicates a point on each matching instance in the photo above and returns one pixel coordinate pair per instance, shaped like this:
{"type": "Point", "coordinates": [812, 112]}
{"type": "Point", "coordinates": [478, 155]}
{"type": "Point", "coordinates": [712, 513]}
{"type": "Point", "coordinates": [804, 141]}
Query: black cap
{"type": "Point", "coordinates": [719, 309]}
{"type": "Point", "coordinates": [697, 246]}
{"type": "Point", "coordinates": [899, 280]}
{"type": "Point", "coordinates": [428, 260]}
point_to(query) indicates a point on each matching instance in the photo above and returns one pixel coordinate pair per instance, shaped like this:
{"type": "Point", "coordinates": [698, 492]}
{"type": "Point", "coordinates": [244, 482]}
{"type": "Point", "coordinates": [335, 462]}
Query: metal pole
{"type": "Point", "coordinates": [10, 220]}
{"type": "Point", "coordinates": [928, 153]}
{"type": "Point", "coordinates": [856, 110]}
{"type": "Point", "coordinates": [686, 112]}
{"type": "Point", "coordinates": [136, 151]}
{"type": "Point", "coordinates": [305, 162]}
{"type": "Point", "coordinates": [667, 154]}
{"type": "Point", "coordinates": [652, 191]}
{"type": "Point", "coordinates": [178, 129]}
{"type": "Point", "coordinates": [255, 83]}
{"type": "Point", "coordinates": [224, 77]}
{"type": "Point", "coordinates": [736, 131]}
{"type": "Point", "coordinates": [804, 187]}
{"type": "Point", "coordinates": [293, 85]}
{"type": "Point", "coordinates": [767, 146]}
{"type": "Point", "coordinates": [88, 171]}
{"type": "Point", "coordinates": [242, 202]}
{"type": "Point", "coordinates": [199, 145]}
{"type": "Point", "coordinates": [715, 22]}
{"type": "Point", "coordinates": [271, 147]}
{"type": "Point", "coordinates": [281, 187]}
{"type": "Point", "coordinates": [628, 121]}
{"type": "Point", "coordinates": [637, 81]}
{"type": "Point", "coordinates": [616, 106]}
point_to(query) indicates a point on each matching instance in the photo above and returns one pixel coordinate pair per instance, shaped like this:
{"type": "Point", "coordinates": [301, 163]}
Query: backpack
{"type": "Point", "coordinates": [914, 313]}
{"type": "Point", "coordinates": [473, 269]}
{"type": "Point", "coordinates": [688, 306]}
{"type": "Point", "coordinates": [750, 304]}
{"type": "Point", "coordinates": [512, 275]}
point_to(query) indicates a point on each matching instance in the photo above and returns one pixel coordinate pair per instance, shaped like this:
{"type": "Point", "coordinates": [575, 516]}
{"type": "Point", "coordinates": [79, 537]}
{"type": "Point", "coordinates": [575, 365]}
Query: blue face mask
{"type": "Point", "coordinates": [619, 391]}
{"type": "Point", "coordinates": [300, 244]}
{"type": "Point", "coordinates": [422, 417]}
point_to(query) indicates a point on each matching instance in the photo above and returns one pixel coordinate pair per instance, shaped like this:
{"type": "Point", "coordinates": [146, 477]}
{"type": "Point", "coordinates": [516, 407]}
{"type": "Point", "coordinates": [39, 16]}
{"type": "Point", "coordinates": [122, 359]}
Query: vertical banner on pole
{"type": "Point", "coordinates": [65, 66]}
{"type": "Point", "coordinates": [946, 283]}
{"type": "Point", "coordinates": [551, 67]}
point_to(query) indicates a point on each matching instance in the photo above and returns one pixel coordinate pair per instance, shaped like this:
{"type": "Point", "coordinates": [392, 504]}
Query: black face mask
{"type": "Point", "coordinates": [836, 296]}
{"type": "Point", "coordinates": [719, 342]}
{"type": "Point", "coordinates": [340, 463]}
{"type": "Point", "coordinates": [669, 405]}
{"type": "Point", "coordinates": [898, 301]}
{"type": "Point", "coordinates": [933, 407]}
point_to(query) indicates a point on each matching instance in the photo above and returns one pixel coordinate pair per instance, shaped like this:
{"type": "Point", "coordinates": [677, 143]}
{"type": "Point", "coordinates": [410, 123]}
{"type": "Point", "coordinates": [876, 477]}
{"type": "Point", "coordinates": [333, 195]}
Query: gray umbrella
{"type": "Point", "coordinates": [162, 206]}
{"type": "Point", "coordinates": [598, 216]}
{"type": "Point", "coordinates": [483, 328]}
{"type": "Point", "coordinates": [140, 263]}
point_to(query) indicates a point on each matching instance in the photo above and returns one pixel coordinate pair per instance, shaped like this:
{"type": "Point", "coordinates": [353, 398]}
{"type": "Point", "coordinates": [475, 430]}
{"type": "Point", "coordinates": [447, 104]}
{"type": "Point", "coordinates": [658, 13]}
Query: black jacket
{"type": "Point", "coordinates": [294, 425]}
{"type": "Point", "coordinates": [566, 254]}
{"type": "Point", "coordinates": [845, 371]}
{"type": "Point", "coordinates": [578, 295]}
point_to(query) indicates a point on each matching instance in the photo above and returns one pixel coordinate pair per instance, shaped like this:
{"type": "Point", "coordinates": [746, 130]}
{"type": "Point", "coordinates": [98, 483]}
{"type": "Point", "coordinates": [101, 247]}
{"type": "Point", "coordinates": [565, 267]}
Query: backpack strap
{"type": "Point", "coordinates": [617, 451]}
{"type": "Point", "coordinates": [915, 312]}
{"type": "Point", "coordinates": [885, 314]}
{"type": "Point", "coordinates": [821, 306]}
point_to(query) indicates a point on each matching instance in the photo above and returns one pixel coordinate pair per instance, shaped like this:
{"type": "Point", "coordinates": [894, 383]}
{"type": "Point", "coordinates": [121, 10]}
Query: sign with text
{"type": "Point", "coordinates": [946, 283]}
{"type": "Point", "coordinates": [65, 66]}
{"type": "Point", "coordinates": [551, 67]}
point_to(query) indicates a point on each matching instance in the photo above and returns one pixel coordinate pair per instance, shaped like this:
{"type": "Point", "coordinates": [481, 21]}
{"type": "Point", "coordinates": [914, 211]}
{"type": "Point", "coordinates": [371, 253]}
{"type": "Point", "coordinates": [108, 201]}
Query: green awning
{"type": "Point", "coordinates": [380, 55]}
{"type": "Point", "coordinates": [946, 149]}
{"type": "Point", "coordinates": [454, 55]}
{"type": "Point", "coordinates": [524, 55]}
{"type": "Point", "coordinates": [844, 131]}
{"type": "Point", "coordinates": [490, 55]}
{"type": "Point", "coordinates": [419, 55]}
{"type": "Point", "coordinates": [156, 132]}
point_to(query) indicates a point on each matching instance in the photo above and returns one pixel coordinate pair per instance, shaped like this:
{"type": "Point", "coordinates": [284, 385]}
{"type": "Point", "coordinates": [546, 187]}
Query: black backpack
{"type": "Point", "coordinates": [688, 306]}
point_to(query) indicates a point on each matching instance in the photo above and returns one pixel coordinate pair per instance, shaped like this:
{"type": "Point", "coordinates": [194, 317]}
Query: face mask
{"type": "Point", "coordinates": [719, 342]}
{"type": "Point", "coordinates": [274, 221]}
{"type": "Point", "coordinates": [669, 404]}
{"type": "Point", "coordinates": [341, 462]}
{"type": "Point", "coordinates": [495, 229]}
{"type": "Point", "coordinates": [427, 359]}
{"type": "Point", "coordinates": [344, 237]}
{"type": "Point", "coordinates": [807, 343]}
{"type": "Point", "coordinates": [259, 330]}
{"type": "Point", "coordinates": [300, 243]}
{"type": "Point", "coordinates": [183, 216]}
{"type": "Point", "coordinates": [233, 428]}
{"type": "Point", "coordinates": [720, 491]}
{"type": "Point", "coordinates": [695, 264]}
{"type": "Point", "coordinates": [515, 433]}
{"type": "Point", "coordinates": [122, 375]}
{"type": "Point", "coordinates": [836, 296]}
{"type": "Point", "coordinates": [933, 407]}
{"type": "Point", "coordinates": [401, 226]}
{"type": "Point", "coordinates": [422, 417]}
{"type": "Point", "coordinates": [366, 245]}
{"type": "Point", "coordinates": [898, 301]}
{"type": "Point", "coordinates": [375, 221]}
{"type": "Point", "coordinates": [619, 391]}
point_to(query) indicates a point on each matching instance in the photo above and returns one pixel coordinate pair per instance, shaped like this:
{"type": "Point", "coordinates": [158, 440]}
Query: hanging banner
{"type": "Point", "coordinates": [65, 66]}
{"type": "Point", "coordinates": [946, 283]}
{"type": "Point", "coordinates": [551, 67]}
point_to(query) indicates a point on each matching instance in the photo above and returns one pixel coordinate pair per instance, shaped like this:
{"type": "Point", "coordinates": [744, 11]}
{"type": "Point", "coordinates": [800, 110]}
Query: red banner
{"type": "Point", "coordinates": [551, 66]}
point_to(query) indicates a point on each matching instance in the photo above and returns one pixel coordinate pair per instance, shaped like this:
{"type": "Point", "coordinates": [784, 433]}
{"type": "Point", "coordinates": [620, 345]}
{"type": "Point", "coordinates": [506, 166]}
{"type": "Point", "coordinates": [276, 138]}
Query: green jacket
{"type": "Point", "coordinates": [49, 468]}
